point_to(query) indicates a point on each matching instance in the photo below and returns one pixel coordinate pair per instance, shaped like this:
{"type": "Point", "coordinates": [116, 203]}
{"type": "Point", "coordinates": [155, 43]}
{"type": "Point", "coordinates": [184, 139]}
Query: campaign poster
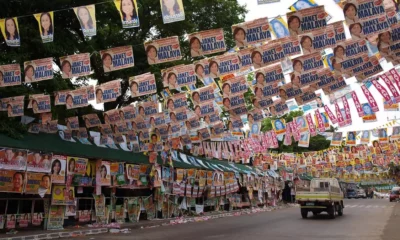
{"type": "Point", "coordinates": [142, 85]}
{"type": "Point", "coordinates": [108, 92]}
{"type": "Point", "coordinates": [112, 116]}
{"type": "Point", "coordinates": [306, 64]}
{"type": "Point", "coordinates": [76, 166]}
{"type": "Point", "coordinates": [340, 34]}
{"type": "Point", "coordinates": [77, 65]}
{"type": "Point", "coordinates": [76, 99]}
{"type": "Point", "coordinates": [269, 75]}
{"type": "Point", "coordinates": [46, 25]}
{"type": "Point", "coordinates": [72, 123]}
{"type": "Point", "coordinates": [291, 45]}
{"type": "Point", "coordinates": [395, 133]}
{"type": "Point", "coordinates": [279, 27]}
{"type": "Point", "coordinates": [216, 131]}
{"type": "Point", "coordinates": [204, 109]}
{"type": "Point", "coordinates": [369, 27]}
{"type": "Point", "coordinates": [56, 218]}
{"type": "Point", "coordinates": [12, 181]}
{"type": "Point", "coordinates": [58, 169]}
{"type": "Point", "coordinates": [147, 109]}
{"type": "Point", "coordinates": [10, 75]}
{"type": "Point", "coordinates": [306, 20]}
{"type": "Point", "coordinates": [358, 10]}
{"type": "Point", "coordinates": [172, 11]}
{"type": "Point", "coordinates": [304, 140]}
{"type": "Point", "coordinates": [365, 137]}
{"type": "Point", "coordinates": [202, 71]}
{"type": "Point", "coordinates": [15, 106]}
{"type": "Point", "coordinates": [318, 40]}
{"type": "Point", "coordinates": [87, 19]}
{"type": "Point", "coordinates": [257, 115]}
{"type": "Point", "coordinates": [63, 196]}
{"type": "Point", "coordinates": [203, 134]}
{"type": "Point", "coordinates": [117, 58]}
{"type": "Point", "coordinates": [23, 220]}
{"type": "Point", "coordinates": [40, 104]}
{"type": "Point", "coordinates": [177, 101]}
{"type": "Point", "coordinates": [103, 174]}
{"type": "Point", "coordinates": [39, 162]}
{"type": "Point", "coordinates": [383, 135]}
{"type": "Point", "coordinates": [224, 65]}
{"type": "Point", "coordinates": [351, 48]}
{"type": "Point", "coordinates": [91, 120]}
{"type": "Point", "coordinates": [302, 124]}
{"type": "Point", "coordinates": [245, 58]}
{"type": "Point", "coordinates": [267, 54]}
{"type": "Point", "coordinates": [38, 70]}
{"type": "Point", "coordinates": [279, 108]}
{"type": "Point", "coordinates": [288, 91]}
{"type": "Point", "coordinates": [351, 138]}
{"type": "Point", "coordinates": [233, 86]}
{"type": "Point", "coordinates": [369, 115]}
{"type": "Point", "coordinates": [10, 30]}
{"type": "Point", "coordinates": [370, 68]}
{"type": "Point", "coordinates": [390, 107]}
{"type": "Point", "coordinates": [237, 123]}
{"type": "Point", "coordinates": [180, 76]}
{"type": "Point", "coordinates": [234, 101]}
{"type": "Point", "coordinates": [11, 221]}
{"type": "Point", "coordinates": [337, 139]}
{"type": "Point", "coordinates": [192, 123]}
{"type": "Point", "coordinates": [13, 159]}
{"type": "Point", "coordinates": [157, 120]}
{"type": "Point", "coordinates": [90, 92]}
{"type": "Point", "coordinates": [38, 183]}
{"type": "Point", "coordinates": [127, 113]}
{"type": "Point", "coordinates": [207, 42]}
{"type": "Point", "coordinates": [252, 32]}
{"type": "Point", "coordinates": [60, 97]}
{"type": "Point", "coordinates": [279, 126]}
{"type": "Point", "coordinates": [128, 12]}
{"type": "Point", "coordinates": [163, 50]}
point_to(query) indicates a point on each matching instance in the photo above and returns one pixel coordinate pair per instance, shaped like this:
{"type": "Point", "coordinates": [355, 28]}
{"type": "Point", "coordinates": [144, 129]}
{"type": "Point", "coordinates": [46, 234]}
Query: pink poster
{"type": "Point", "coordinates": [357, 104]}
{"type": "Point", "coordinates": [330, 114]}
{"type": "Point", "coordinates": [339, 115]}
{"type": "Point", "coordinates": [311, 125]}
{"type": "Point", "coordinates": [382, 90]}
{"type": "Point", "coordinates": [392, 88]}
{"type": "Point", "coordinates": [347, 110]}
{"type": "Point", "coordinates": [320, 121]}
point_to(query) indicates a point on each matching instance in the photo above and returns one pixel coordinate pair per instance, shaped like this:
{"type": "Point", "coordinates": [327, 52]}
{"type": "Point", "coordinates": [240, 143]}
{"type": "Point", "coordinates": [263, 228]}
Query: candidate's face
{"type": "Point", "coordinates": [365, 135]}
{"type": "Point", "coordinates": [9, 154]}
{"type": "Point", "coordinates": [141, 111]}
{"type": "Point", "coordinates": [297, 67]}
{"type": "Point", "coordinates": [107, 61]}
{"type": "Point", "coordinates": [356, 29]}
{"type": "Point", "coordinates": [294, 24]}
{"type": "Point", "coordinates": [127, 7]}
{"type": "Point", "coordinates": [45, 21]}
{"type": "Point", "coordinates": [278, 125]}
{"type": "Point", "coordinates": [367, 110]}
{"type": "Point", "coordinates": [10, 26]}
{"type": "Point", "coordinates": [307, 43]}
{"type": "Point", "coordinates": [260, 79]}
{"type": "Point", "coordinates": [17, 181]}
{"type": "Point", "coordinates": [29, 72]}
{"type": "Point", "coordinates": [196, 45]}
{"type": "Point", "coordinates": [197, 111]}
{"type": "Point", "coordinates": [227, 89]}
{"type": "Point", "coordinates": [66, 68]}
{"type": "Point", "coordinates": [152, 53]}
{"type": "Point", "coordinates": [350, 12]}
{"type": "Point", "coordinates": [56, 167]}
{"type": "Point", "coordinates": [172, 79]}
{"type": "Point", "coordinates": [196, 97]}
{"type": "Point", "coordinates": [279, 30]}
{"type": "Point", "coordinates": [200, 71]}
{"type": "Point", "coordinates": [46, 182]}
{"type": "Point", "coordinates": [385, 37]}
{"type": "Point", "coordinates": [37, 158]}
{"type": "Point", "coordinates": [257, 59]}
{"type": "Point", "coordinates": [337, 66]}
{"type": "Point", "coordinates": [173, 118]}
{"type": "Point", "coordinates": [339, 52]}
{"type": "Point", "coordinates": [134, 88]}
{"type": "Point", "coordinates": [214, 68]}
{"type": "Point", "coordinates": [259, 93]}
{"type": "Point", "coordinates": [240, 36]}
{"type": "Point", "coordinates": [83, 15]}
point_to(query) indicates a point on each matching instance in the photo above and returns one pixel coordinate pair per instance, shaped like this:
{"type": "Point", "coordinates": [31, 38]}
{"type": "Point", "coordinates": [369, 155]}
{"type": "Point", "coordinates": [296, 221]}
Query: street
{"type": "Point", "coordinates": [363, 219]}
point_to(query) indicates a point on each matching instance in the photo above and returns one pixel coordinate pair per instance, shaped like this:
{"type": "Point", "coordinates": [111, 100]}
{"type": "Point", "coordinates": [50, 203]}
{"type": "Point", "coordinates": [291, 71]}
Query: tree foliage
{"type": "Point", "coordinates": [68, 40]}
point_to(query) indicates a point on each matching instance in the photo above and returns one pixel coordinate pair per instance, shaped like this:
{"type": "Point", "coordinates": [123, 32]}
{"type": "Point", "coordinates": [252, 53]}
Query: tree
{"type": "Point", "coordinates": [68, 39]}
{"type": "Point", "coordinates": [317, 142]}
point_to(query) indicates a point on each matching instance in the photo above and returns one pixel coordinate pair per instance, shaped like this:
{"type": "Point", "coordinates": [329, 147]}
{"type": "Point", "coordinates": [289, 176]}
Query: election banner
{"type": "Point", "coordinates": [348, 49]}
{"type": "Point", "coordinates": [40, 103]}
{"type": "Point", "coordinates": [365, 136]}
{"type": "Point", "coordinates": [304, 140]}
{"type": "Point", "coordinates": [203, 95]}
{"type": "Point", "coordinates": [38, 70]}
{"type": "Point", "coordinates": [46, 25]}
{"type": "Point", "coordinates": [395, 133]}
{"type": "Point", "coordinates": [202, 71]}
{"type": "Point", "coordinates": [128, 12]}
{"type": "Point", "coordinates": [76, 166]}
{"type": "Point", "coordinates": [10, 75]}
{"type": "Point", "coordinates": [112, 116]}
{"type": "Point", "coordinates": [56, 218]}
{"type": "Point", "coordinates": [245, 58]}
{"type": "Point", "coordinates": [351, 138]}
{"type": "Point", "coordinates": [392, 88]}
{"type": "Point", "coordinates": [87, 18]}
{"type": "Point", "coordinates": [382, 90]}
{"type": "Point", "coordinates": [371, 100]}
{"type": "Point", "coordinates": [11, 221]}
{"type": "Point", "coordinates": [72, 123]}
{"type": "Point", "coordinates": [308, 96]}
{"type": "Point", "coordinates": [204, 109]}
{"type": "Point", "coordinates": [369, 115]}
{"type": "Point", "coordinates": [203, 134]}
{"type": "Point", "coordinates": [13, 159]}
{"type": "Point", "coordinates": [60, 97]}
{"type": "Point", "coordinates": [267, 54]}
{"type": "Point", "coordinates": [12, 181]}
{"type": "Point", "coordinates": [117, 58]}
{"type": "Point", "coordinates": [389, 108]}
{"type": "Point", "coordinates": [77, 65]}
{"type": "Point", "coordinates": [279, 27]}
{"type": "Point", "coordinates": [233, 101]}
{"type": "Point", "coordinates": [15, 106]}
{"type": "Point", "coordinates": [269, 75]}
{"type": "Point", "coordinates": [103, 174]}
{"type": "Point", "coordinates": [58, 168]}
{"type": "Point", "coordinates": [252, 32]}
{"type": "Point", "coordinates": [318, 40]}
{"type": "Point", "coordinates": [172, 11]}
{"type": "Point", "coordinates": [383, 135]}
{"type": "Point", "coordinates": [157, 120]}
{"type": "Point", "coordinates": [339, 116]}
{"type": "Point", "coordinates": [163, 50]}
{"type": "Point", "coordinates": [340, 34]}
{"type": "Point", "coordinates": [370, 68]}
{"type": "Point", "coordinates": [147, 109]}
{"type": "Point", "coordinates": [76, 99]}
{"type": "Point", "coordinates": [279, 126]}
{"type": "Point", "coordinates": [207, 42]}
{"type": "Point", "coordinates": [62, 195]}
{"type": "Point", "coordinates": [358, 10]}
{"type": "Point", "coordinates": [142, 85]}
{"type": "Point", "coordinates": [180, 76]}
{"type": "Point", "coordinates": [306, 20]}
{"type": "Point", "coordinates": [10, 30]}
{"type": "Point", "coordinates": [108, 92]}
{"type": "Point", "coordinates": [90, 92]}
{"type": "Point", "coordinates": [177, 101]}
{"type": "Point", "coordinates": [38, 183]}
{"type": "Point", "coordinates": [224, 65]}
{"type": "Point", "coordinates": [288, 91]}
{"type": "Point", "coordinates": [291, 45]}
{"type": "Point", "coordinates": [337, 139]}
{"type": "Point", "coordinates": [91, 120]}
{"type": "Point", "coordinates": [234, 86]}
{"type": "Point", "coordinates": [357, 104]}
{"type": "Point", "coordinates": [127, 113]}
{"type": "Point", "coordinates": [39, 162]}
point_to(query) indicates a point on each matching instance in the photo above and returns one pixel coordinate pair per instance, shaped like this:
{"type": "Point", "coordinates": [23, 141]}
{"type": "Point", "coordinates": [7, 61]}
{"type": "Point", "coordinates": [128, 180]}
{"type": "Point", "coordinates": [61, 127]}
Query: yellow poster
{"type": "Point", "coordinates": [12, 181]}
{"type": "Point", "coordinates": [128, 11]}
{"type": "Point", "coordinates": [46, 25]}
{"type": "Point", "coordinates": [62, 196]}
{"type": "Point", "coordinates": [10, 30]}
{"type": "Point", "coordinates": [87, 18]}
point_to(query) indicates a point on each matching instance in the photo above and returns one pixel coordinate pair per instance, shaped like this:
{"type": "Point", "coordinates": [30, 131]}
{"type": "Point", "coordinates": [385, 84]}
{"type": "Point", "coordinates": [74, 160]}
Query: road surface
{"type": "Point", "coordinates": [363, 219]}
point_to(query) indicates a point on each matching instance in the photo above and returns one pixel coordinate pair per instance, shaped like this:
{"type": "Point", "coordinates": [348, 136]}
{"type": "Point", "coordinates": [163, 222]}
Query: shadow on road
{"type": "Point", "coordinates": [322, 217]}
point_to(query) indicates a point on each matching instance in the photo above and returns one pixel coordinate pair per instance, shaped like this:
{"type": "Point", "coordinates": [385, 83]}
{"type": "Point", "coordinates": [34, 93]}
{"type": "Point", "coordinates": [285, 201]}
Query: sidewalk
{"type": "Point", "coordinates": [94, 229]}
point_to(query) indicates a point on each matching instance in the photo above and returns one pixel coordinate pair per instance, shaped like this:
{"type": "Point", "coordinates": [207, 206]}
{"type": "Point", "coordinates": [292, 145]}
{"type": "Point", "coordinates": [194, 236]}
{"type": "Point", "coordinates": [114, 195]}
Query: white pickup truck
{"type": "Point", "coordinates": [324, 195]}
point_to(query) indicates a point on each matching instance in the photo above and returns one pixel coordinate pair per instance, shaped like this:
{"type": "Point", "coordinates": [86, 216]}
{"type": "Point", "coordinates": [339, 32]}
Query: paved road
{"type": "Point", "coordinates": [364, 219]}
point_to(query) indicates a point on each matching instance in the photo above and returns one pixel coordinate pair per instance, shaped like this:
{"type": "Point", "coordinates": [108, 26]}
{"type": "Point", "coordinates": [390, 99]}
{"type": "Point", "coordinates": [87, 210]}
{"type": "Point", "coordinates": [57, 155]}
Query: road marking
{"type": "Point", "coordinates": [368, 206]}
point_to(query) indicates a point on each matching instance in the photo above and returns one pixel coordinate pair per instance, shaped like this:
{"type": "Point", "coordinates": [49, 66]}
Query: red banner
{"type": "Point", "coordinates": [347, 110]}
{"type": "Point", "coordinates": [330, 114]}
{"type": "Point", "coordinates": [288, 135]}
{"type": "Point", "coordinates": [320, 121]}
{"type": "Point", "coordinates": [311, 125]}
{"type": "Point", "coordinates": [274, 139]}
{"type": "Point", "coordinates": [394, 76]}
{"type": "Point", "coordinates": [391, 87]}
{"type": "Point", "coordinates": [382, 90]}
{"type": "Point", "coordinates": [370, 98]}
{"type": "Point", "coordinates": [339, 115]}
{"type": "Point", "coordinates": [357, 104]}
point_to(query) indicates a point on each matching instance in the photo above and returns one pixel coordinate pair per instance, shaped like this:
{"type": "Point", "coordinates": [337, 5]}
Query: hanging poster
{"type": "Point", "coordinates": [76, 99]}
{"type": "Point", "coordinates": [14, 159]}
{"type": "Point", "coordinates": [369, 115]}
{"type": "Point", "coordinates": [77, 65]}
{"type": "Point", "coordinates": [60, 97]}
{"type": "Point", "coordinates": [383, 135]}
{"type": "Point", "coordinates": [10, 30]}
{"type": "Point", "coordinates": [304, 140]}
{"type": "Point", "coordinates": [56, 218]}
{"type": "Point", "coordinates": [62, 196]}
{"type": "Point", "coordinates": [103, 174]}
{"type": "Point", "coordinates": [279, 126]}
{"type": "Point", "coordinates": [395, 133]}
{"type": "Point", "coordinates": [58, 169]}
{"type": "Point", "coordinates": [70, 211]}
{"type": "Point", "coordinates": [291, 47]}
{"type": "Point", "coordinates": [351, 138]}
{"type": "Point", "coordinates": [10, 75]}
{"type": "Point", "coordinates": [90, 92]}
{"type": "Point", "coordinates": [288, 91]}
{"type": "Point", "coordinates": [349, 49]}
{"type": "Point", "coordinates": [142, 85]}
{"type": "Point", "coordinates": [15, 106]}
{"type": "Point", "coordinates": [318, 40]}
{"type": "Point", "coordinates": [87, 19]}
{"type": "Point", "coordinates": [38, 70]}
{"type": "Point", "coordinates": [112, 116]}
{"type": "Point", "coordinates": [305, 67]}
{"type": "Point", "coordinates": [129, 13]}
{"type": "Point", "coordinates": [38, 183]}
{"type": "Point", "coordinates": [306, 20]}
{"type": "Point", "coordinates": [11, 221]}
{"type": "Point", "coordinates": [40, 104]}
{"type": "Point", "coordinates": [302, 124]}
{"type": "Point", "coordinates": [269, 75]}
{"type": "Point", "coordinates": [108, 92]}
{"type": "Point", "coordinates": [163, 50]}
{"type": "Point", "coordinates": [46, 25]}
{"type": "Point", "coordinates": [252, 32]}
{"type": "Point", "coordinates": [234, 101]}
{"type": "Point", "coordinates": [99, 205]}
{"type": "Point", "coordinates": [76, 166]}
{"type": "Point", "coordinates": [267, 54]}
{"type": "Point", "coordinates": [172, 11]}
{"type": "Point", "coordinates": [207, 42]}
{"type": "Point", "coordinates": [39, 162]}
{"type": "Point", "coordinates": [337, 139]}
{"type": "Point", "coordinates": [117, 58]}
{"type": "Point", "coordinates": [176, 102]}
{"type": "Point", "coordinates": [180, 76]}
{"type": "Point", "coordinates": [279, 27]}
{"type": "Point", "coordinates": [340, 34]}
{"type": "Point", "coordinates": [308, 96]}
{"type": "Point", "coordinates": [12, 181]}
{"type": "Point", "coordinates": [72, 123]}
{"type": "Point", "coordinates": [387, 107]}
{"type": "Point", "coordinates": [204, 109]}
{"type": "Point", "coordinates": [23, 220]}
{"type": "Point", "coordinates": [147, 109]}
{"type": "Point", "coordinates": [224, 65]}
{"type": "Point", "coordinates": [91, 120]}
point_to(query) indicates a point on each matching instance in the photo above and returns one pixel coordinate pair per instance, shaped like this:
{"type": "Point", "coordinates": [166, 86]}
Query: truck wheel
{"type": "Point", "coordinates": [304, 213]}
{"type": "Point", "coordinates": [340, 210]}
{"type": "Point", "coordinates": [331, 212]}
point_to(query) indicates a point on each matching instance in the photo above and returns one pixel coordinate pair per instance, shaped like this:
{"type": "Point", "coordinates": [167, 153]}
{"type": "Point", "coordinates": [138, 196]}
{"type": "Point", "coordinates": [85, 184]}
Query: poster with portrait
{"type": "Point", "coordinates": [224, 65]}
{"type": "Point", "coordinates": [207, 42]}
{"type": "Point", "coordinates": [251, 32]}
{"type": "Point", "coordinates": [142, 85]}
{"type": "Point", "coordinates": [233, 86]}
{"type": "Point", "coordinates": [304, 140]}
{"type": "Point", "coordinates": [117, 58]}
{"type": "Point", "coordinates": [72, 123]}
{"type": "Point", "coordinates": [369, 115]}
{"type": "Point", "coordinates": [390, 107]}
{"type": "Point", "coordinates": [63, 196]}
{"type": "Point", "coordinates": [267, 54]}
{"type": "Point", "coordinates": [289, 91]}
{"type": "Point", "coordinates": [176, 102]}
{"type": "Point", "coordinates": [39, 162]}
{"type": "Point", "coordinates": [38, 183]}
{"type": "Point", "coordinates": [361, 10]}
{"type": "Point", "coordinates": [23, 220]}
{"type": "Point", "coordinates": [90, 92]}
{"type": "Point", "coordinates": [340, 34]}
{"type": "Point", "coordinates": [302, 124]}
{"type": "Point", "coordinates": [11, 221]}
{"type": "Point", "coordinates": [234, 101]}
{"type": "Point", "coordinates": [351, 138]}
{"type": "Point", "coordinates": [279, 126]}
{"type": "Point", "coordinates": [163, 50]}
{"type": "Point", "coordinates": [279, 27]}
{"type": "Point", "coordinates": [108, 92]}
{"type": "Point", "coordinates": [91, 120]}
{"type": "Point", "coordinates": [383, 135]}
{"type": "Point", "coordinates": [87, 19]}
{"type": "Point", "coordinates": [13, 159]}
{"type": "Point", "coordinates": [60, 97]}
{"type": "Point", "coordinates": [349, 49]}
{"type": "Point", "coordinates": [99, 205]}
{"type": "Point", "coordinates": [127, 113]}
{"type": "Point", "coordinates": [112, 116]}
{"type": "Point", "coordinates": [70, 211]}
{"type": "Point", "coordinates": [40, 103]}
{"type": "Point", "coordinates": [103, 174]}
{"type": "Point", "coordinates": [129, 13]}
{"type": "Point", "coordinates": [58, 168]}
{"type": "Point", "coordinates": [180, 76]}
{"type": "Point", "coordinates": [318, 40]}
{"type": "Point", "coordinates": [38, 70]}
{"type": "Point", "coordinates": [56, 218]}
{"type": "Point", "coordinates": [77, 65]}
{"type": "Point", "coordinates": [395, 134]}
{"type": "Point", "coordinates": [10, 30]}
{"type": "Point", "coordinates": [12, 181]}
{"type": "Point", "coordinates": [172, 11]}
{"type": "Point", "coordinates": [46, 25]}
{"type": "Point", "coordinates": [365, 137]}
{"type": "Point", "coordinates": [337, 139]}
{"type": "Point", "coordinates": [147, 109]}
{"type": "Point", "coordinates": [306, 20]}
{"type": "Point", "coordinates": [15, 106]}
{"type": "Point", "coordinates": [217, 178]}
{"type": "Point", "coordinates": [306, 67]}
{"type": "Point", "coordinates": [10, 75]}
{"type": "Point", "coordinates": [76, 99]}
{"type": "Point", "coordinates": [269, 75]}
{"type": "Point", "coordinates": [76, 165]}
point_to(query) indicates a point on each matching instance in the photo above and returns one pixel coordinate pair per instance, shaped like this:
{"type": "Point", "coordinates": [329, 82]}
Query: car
{"type": "Point", "coordinates": [394, 194]}
{"type": "Point", "coordinates": [361, 193]}
{"type": "Point", "coordinates": [351, 193]}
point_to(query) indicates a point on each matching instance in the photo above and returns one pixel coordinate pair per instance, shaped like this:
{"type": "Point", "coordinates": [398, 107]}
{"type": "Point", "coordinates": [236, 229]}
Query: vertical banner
{"type": "Point", "coordinates": [252, 32]}
{"type": "Point", "coordinates": [56, 218]}
{"type": "Point", "coordinates": [58, 169]}
{"type": "Point", "coordinates": [357, 104]}
{"type": "Point", "coordinates": [128, 11]}
{"type": "Point", "coordinates": [382, 90]}
{"type": "Point", "coordinates": [320, 121]}
{"type": "Point", "coordinates": [370, 98]}
{"type": "Point", "coordinates": [87, 19]}
{"type": "Point", "coordinates": [10, 30]}
{"type": "Point", "coordinates": [311, 125]}
{"type": "Point", "coordinates": [330, 114]}
{"type": "Point", "coordinates": [339, 115]}
{"type": "Point", "coordinates": [117, 58]}
{"type": "Point", "coordinates": [383, 136]}
{"type": "Point", "coordinates": [207, 42]}
{"type": "Point", "coordinates": [391, 87]}
{"type": "Point", "coordinates": [163, 50]}
{"type": "Point", "coordinates": [13, 159]}
{"type": "Point", "coordinates": [46, 25]}
{"type": "Point", "coordinates": [77, 65]}
{"type": "Point", "coordinates": [347, 110]}
{"type": "Point", "coordinates": [393, 75]}
{"type": "Point", "coordinates": [38, 70]}
{"type": "Point", "coordinates": [10, 75]}
{"type": "Point", "coordinates": [172, 11]}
